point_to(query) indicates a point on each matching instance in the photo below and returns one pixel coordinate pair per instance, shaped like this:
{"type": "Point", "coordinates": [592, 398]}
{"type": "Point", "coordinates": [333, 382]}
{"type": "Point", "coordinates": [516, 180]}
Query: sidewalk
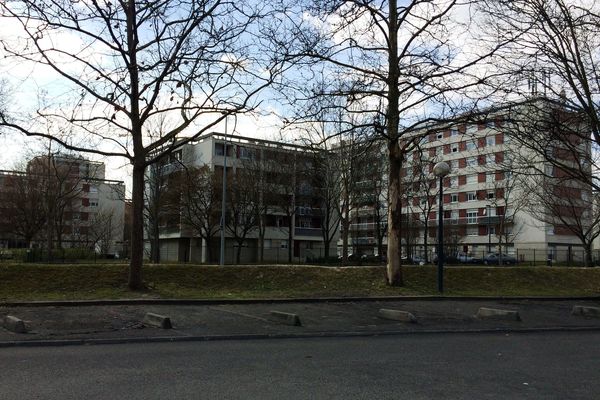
{"type": "Point", "coordinates": [109, 322]}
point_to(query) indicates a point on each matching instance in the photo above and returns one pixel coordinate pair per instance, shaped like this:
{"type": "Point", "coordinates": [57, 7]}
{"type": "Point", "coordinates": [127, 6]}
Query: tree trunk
{"type": "Point", "coordinates": [345, 227]}
{"type": "Point", "coordinates": [155, 243]}
{"type": "Point", "coordinates": [238, 255]}
{"type": "Point", "coordinates": [588, 260]}
{"type": "Point", "coordinates": [394, 264]}
{"type": "Point", "coordinates": [137, 228]}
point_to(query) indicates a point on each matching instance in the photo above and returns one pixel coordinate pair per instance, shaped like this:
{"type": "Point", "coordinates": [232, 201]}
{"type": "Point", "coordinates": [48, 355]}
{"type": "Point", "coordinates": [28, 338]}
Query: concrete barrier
{"type": "Point", "coordinates": [286, 318]}
{"type": "Point", "coordinates": [397, 315]}
{"type": "Point", "coordinates": [14, 324]}
{"type": "Point", "coordinates": [586, 311]}
{"type": "Point", "coordinates": [495, 313]}
{"type": "Point", "coordinates": [158, 320]}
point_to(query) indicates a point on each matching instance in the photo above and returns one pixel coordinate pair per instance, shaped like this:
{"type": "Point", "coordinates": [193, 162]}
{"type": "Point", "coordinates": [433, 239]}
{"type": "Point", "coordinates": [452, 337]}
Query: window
{"type": "Point", "coordinates": [423, 140]}
{"type": "Point", "coordinates": [454, 198]}
{"type": "Point", "coordinates": [93, 203]}
{"type": "Point", "coordinates": [219, 149]}
{"type": "Point", "coordinates": [490, 124]}
{"type": "Point", "coordinates": [471, 145]}
{"type": "Point", "coordinates": [453, 132]}
{"type": "Point", "coordinates": [454, 181]}
{"type": "Point", "coordinates": [472, 231]}
{"type": "Point", "coordinates": [492, 211]}
{"type": "Point", "coordinates": [454, 165]}
{"type": "Point", "coordinates": [472, 128]}
{"type": "Point", "coordinates": [549, 169]}
{"type": "Point", "coordinates": [454, 217]}
{"type": "Point", "coordinates": [439, 151]}
{"type": "Point", "coordinates": [471, 161]}
{"type": "Point", "coordinates": [471, 216]}
{"type": "Point", "coordinates": [489, 177]}
{"type": "Point", "coordinates": [76, 215]}
{"type": "Point", "coordinates": [490, 159]}
{"type": "Point", "coordinates": [471, 196]}
{"type": "Point", "coordinates": [439, 135]}
{"type": "Point", "coordinates": [491, 230]}
{"type": "Point", "coordinates": [550, 230]}
{"type": "Point", "coordinates": [93, 189]}
{"type": "Point", "coordinates": [490, 141]}
{"type": "Point", "coordinates": [423, 201]}
{"type": "Point", "coordinates": [471, 179]}
{"type": "Point", "coordinates": [491, 195]}
{"type": "Point", "coordinates": [454, 147]}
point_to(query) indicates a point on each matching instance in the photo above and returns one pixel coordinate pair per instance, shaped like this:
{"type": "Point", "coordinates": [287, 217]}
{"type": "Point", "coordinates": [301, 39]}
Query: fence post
{"type": "Point", "coordinates": [534, 263]}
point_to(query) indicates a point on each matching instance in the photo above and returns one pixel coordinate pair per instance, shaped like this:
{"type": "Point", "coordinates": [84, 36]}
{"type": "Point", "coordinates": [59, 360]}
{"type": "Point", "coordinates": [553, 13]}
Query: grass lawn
{"type": "Point", "coordinates": [108, 281]}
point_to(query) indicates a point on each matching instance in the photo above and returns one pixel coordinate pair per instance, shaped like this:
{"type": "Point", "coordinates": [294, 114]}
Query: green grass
{"type": "Point", "coordinates": [108, 281]}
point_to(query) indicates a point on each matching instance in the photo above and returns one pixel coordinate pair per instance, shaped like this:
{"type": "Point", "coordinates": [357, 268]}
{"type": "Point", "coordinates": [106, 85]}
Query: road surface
{"type": "Point", "coordinates": [559, 365]}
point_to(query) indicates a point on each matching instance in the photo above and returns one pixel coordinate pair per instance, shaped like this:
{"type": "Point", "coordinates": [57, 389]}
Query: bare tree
{"type": "Point", "coordinates": [567, 206]}
{"type": "Point", "coordinates": [196, 62]}
{"type": "Point", "coordinates": [392, 56]}
{"type": "Point", "coordinates": [241, 218]}
{"type": "Point", "coordinates": [200, 189]}
{"type": "Point", "coordinates": [557, 52]}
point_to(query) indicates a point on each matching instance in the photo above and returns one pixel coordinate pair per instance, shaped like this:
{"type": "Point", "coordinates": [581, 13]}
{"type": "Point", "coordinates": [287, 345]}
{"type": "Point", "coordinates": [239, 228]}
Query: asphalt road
{"type": "Point", "coordinates": [560, 365]}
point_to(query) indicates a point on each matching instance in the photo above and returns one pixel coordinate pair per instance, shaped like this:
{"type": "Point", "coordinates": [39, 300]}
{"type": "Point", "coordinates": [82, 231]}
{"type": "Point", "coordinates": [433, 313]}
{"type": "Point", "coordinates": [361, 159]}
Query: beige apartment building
{"type": "Point", "coordinates": [278, 178]}
{"type": "Point", "coordinates": [64, 201]}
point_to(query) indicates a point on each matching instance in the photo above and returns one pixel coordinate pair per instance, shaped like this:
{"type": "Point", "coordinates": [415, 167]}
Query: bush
{"type": "Point", "coordinates": [41, 255]}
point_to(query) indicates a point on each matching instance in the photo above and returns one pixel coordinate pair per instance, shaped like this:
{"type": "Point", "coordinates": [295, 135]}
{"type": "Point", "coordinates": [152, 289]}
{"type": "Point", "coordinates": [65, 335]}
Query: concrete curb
{"type": "Point", "coordinates": [157, 320]}
{"type": "Point", "coordinates": [313, 335]}
{"type": "Point", "coordinates": [586, 311]}
{"type": "Point", "coordinates": [14, 324]}
{"type": "Point", "coordinates": [495, 313]}
{"type": "Point", "coordinates": [75, 303]}
{"type": "Point", "coordinates": [396, 315]}
{"type": "Point", "coordinates": [286, 318]}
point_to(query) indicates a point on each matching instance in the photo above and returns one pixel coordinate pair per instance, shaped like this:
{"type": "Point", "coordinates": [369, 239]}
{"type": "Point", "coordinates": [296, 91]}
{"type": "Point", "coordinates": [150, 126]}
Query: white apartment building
{"type": "Point", "coordinates": [297, 226]}
{"type": "Point", "coordinates": [484, 196]}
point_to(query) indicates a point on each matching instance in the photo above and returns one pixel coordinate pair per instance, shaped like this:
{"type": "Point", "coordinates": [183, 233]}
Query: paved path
{"type": "Point", "coordinates": [76, 324]}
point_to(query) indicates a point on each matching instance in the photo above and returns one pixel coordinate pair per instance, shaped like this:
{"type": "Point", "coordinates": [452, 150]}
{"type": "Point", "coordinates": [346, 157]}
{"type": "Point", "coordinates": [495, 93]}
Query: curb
{"type": "Point", "coordinates": [314, 335]}
{"type": "Point", "coordinates": [75, 303]}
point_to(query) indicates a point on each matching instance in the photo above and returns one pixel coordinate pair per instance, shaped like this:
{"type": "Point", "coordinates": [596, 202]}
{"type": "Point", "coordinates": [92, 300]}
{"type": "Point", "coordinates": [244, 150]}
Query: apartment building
{"type": "Point", "coordinates": [367, 200]}
{"type": "Point", "coordinates": [488, 196]}
{"type": "Point", "coordinates": [63, 201]}
{"type": "Point", "coordinates": [275, 203]}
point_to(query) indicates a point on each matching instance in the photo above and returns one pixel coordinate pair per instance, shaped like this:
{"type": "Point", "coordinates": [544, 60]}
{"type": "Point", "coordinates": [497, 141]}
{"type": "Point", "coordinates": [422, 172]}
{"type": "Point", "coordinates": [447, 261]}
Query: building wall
{"type": "Point", "coordinates": [307, 240]}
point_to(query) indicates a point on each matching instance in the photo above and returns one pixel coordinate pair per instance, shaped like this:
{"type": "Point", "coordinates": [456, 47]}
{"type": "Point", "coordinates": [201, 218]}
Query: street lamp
{"type": "Point", "coordinates": [222, 254]}
{"type": "Point", "coordinates": [440, 170]}
{"type": "Point", "coordinates": [487, 211]}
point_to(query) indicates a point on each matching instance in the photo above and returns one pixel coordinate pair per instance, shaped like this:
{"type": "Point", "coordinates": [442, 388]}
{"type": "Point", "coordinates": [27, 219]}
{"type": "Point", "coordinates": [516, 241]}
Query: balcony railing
{"type": "Point", "coordinates": [307, 232]}
{"type": "Point", "coordinates": [365, 226]}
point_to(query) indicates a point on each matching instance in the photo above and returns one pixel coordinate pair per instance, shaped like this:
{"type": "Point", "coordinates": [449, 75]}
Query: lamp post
{"type": "Point", "coordinates": [222, 253]}
{"type": "Point", "coordinates": [487, 211]}
{"type": "Point", "coordinates": [440, 170]}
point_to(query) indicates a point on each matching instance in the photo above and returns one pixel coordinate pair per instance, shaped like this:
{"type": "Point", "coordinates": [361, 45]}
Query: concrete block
{"type": "Point", "coordinates": [286, 318]}
{"type": "Point", "coordinates": [495, 313]}
{"type": "Point", "coordinates": [586, 311]}
{"type": "Point", "coordinates": [14, 324]}
{"type": "Point", "coordinates": [158, 320]}
{"type": "Point", "coordinates": [397, 315]}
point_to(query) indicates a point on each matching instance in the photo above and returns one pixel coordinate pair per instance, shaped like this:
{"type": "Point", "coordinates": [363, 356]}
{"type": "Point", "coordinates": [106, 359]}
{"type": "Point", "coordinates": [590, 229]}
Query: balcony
{"type": "Point", "coordinates": [307, 232]}
{"type": "Point", "coordinates": [365, 226]}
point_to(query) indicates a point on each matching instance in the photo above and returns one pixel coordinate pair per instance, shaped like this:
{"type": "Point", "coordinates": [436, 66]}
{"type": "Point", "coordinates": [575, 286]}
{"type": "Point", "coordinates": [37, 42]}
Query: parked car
{"type": "Point", "coordinates": [494, 259]}
{"type": "Point", "coordinates": [464, 258]}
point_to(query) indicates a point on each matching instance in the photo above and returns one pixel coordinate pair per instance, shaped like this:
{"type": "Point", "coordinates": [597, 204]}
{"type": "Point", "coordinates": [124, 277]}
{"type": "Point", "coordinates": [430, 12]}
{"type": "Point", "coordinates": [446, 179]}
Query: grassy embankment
{"type": "Point", "coordinates": [108, 281]}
